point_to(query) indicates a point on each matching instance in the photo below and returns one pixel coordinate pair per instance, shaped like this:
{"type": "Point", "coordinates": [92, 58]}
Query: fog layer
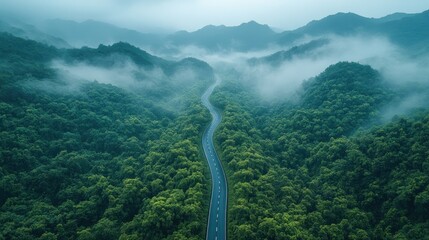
{"type": "Point", "coordinates": [280, 82]}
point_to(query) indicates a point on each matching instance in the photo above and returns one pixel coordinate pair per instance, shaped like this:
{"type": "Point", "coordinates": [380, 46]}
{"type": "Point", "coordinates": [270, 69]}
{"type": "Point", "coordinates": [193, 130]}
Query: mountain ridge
{"type": "Point", "coordinates": [248, 36]}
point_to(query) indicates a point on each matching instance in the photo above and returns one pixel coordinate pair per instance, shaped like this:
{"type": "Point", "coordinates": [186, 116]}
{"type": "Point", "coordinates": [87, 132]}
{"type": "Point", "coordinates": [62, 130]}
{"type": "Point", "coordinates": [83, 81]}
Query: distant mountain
{"type": "Point", "coordinates": [247, 36]}
{"type": "Point", "coordinates": [339, 24]}
{"type": "Point", "coordinates": [28, 31]}
{"type": "Point", "coordinates": [22, 57]}
{"type": "Point", "coordinates": [411, 32]}
{"type": "Point", "coordinates": [394, 17]}
{"type": "Point", "coordinates": [109, 56]}
{"type": "Point", "coordinates": [279, 57]}
{"type": "Point", "coordinates": [93, 33]}
{"type": "Point", "coordinates": [407, 30]}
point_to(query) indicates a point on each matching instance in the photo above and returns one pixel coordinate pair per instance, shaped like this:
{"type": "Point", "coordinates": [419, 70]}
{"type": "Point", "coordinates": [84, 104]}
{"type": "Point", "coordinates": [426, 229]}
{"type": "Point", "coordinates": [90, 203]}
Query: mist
{"type": "Point", "coordinates": [168, 91]}
{"type": "Point", "coordinates": [276, 83]}
{"type": "Point", "coordinates": [122, 75]}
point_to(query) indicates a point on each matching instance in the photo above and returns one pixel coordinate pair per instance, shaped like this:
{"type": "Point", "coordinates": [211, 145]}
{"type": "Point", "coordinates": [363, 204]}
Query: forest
{"type": "Point", "coordinates": [98, 162]}
{"type": "Point", "coordinates": [313, 170]}
{"type": "Point", "coordinates": [114, 152]}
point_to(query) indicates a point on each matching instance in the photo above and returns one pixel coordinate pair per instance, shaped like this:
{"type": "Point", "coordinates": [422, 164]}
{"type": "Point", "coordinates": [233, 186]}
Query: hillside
{"type": "Point", "coordinates": [324, 135]}
{"type": "Point", "coordinates": [27, 31]}
{"type": "Point", "coordinates": [303, 172]}
{"type": "Point", "coordinates": [82, 159]}
{"type": "Point", "coordinates": [406, 30]}
{"type": "Point", "coordinates": [299, 51]}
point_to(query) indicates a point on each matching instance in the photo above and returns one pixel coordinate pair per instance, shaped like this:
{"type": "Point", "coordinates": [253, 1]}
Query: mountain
{"type": "Point", "coordinates": [411, 32]}
{"type": "Point", "coordinates": [394, 17]}
{"type": "Point", "coordinates": [340, 24]}
{"type": "Point", "coordinates": [406, 30]}
{"type": "Point", "coordinates": [307, 174]}
{"type": "Point", "coordinates": [245, 37]}
{"type": "Point", "coordinates": [81, 158]}
{"type": "Point", "coordinates": [23, 59]}
{"type": "Point", "coordinates": [27, 31]}
{"type": "Point", "coordinates": [92, 33]}
{"type": "Point", "coordinates": [279, 57]}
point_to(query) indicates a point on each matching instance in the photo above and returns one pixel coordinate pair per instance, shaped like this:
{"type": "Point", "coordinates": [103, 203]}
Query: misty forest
{"type": "Point", "coordinates": [323, 133]}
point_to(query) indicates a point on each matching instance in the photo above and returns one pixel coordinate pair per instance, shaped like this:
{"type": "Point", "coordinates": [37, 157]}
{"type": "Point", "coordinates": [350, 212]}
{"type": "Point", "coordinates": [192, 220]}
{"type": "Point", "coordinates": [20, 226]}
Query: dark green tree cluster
{"type": "Point", "coordinates": [304, 173]}
{"type": "Point", "coordinates": [95, 161]}
{"type": "Point", "coordinates": [100, 165]}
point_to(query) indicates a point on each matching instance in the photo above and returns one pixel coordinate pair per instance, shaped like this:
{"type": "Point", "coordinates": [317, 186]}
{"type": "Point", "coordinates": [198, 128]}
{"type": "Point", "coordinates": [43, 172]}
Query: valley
{"type": "Point", "coordinates": [226, 132]}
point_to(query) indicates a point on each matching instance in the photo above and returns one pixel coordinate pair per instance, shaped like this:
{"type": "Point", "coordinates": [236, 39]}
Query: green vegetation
{"type": "Point", "coordinates": [97, 162]}
{"type": "Point", "coordinates": [86, 160]}
{"type": "Point", "coordinates": [304, 172]}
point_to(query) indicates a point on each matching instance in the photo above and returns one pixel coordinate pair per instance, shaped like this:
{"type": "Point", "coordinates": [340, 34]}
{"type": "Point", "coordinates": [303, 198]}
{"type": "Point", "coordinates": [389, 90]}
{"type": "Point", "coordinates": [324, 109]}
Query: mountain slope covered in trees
{"type": "Point", "coordinates": [305, 173]}
{"type": "Point", "coordinates": [98, 161]}
{"type": "Point", "coordinates": [104, 143]}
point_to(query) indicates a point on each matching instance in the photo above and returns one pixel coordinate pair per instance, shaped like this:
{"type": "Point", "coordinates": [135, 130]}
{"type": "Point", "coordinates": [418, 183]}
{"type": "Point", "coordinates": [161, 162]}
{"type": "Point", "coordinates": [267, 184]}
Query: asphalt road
{"type": "Point", "coordinates": [216, 225]}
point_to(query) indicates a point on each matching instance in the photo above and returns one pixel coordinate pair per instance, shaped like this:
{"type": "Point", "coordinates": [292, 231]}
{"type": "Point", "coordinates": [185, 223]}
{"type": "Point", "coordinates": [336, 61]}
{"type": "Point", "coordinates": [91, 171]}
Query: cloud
{"type": "Point", "coordinates": [406, 105]}
{"type": "Point", "coordinates": [283, 81]}
{"type": "Point", "coordinates": [280, 83]}
{"type": "Point", "coordinates": [122, 75]}
{"type": "Point", "coordinates": [165, 90]}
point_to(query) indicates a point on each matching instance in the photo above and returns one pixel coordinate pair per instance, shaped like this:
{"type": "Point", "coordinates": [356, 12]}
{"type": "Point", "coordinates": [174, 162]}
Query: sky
{"type": "Point", "coordinates": [190, 15]}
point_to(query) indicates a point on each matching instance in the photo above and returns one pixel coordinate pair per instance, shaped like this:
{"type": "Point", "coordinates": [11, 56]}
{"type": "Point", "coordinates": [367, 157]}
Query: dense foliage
{"type": "Point", "coordinates": [86, 160]}
{"type": "Point", "coordinates": [303, 172]}
{"type": "Point", "coordinates": [93, 161]}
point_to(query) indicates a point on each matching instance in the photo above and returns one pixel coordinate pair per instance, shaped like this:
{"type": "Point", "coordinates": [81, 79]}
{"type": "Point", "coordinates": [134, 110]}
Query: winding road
{"type": "Point", "coordinates": [216, 225]}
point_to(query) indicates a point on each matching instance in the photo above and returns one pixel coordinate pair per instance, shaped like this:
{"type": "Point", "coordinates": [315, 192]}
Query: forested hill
{"type": "Point", "coordinates": [24, 51]}
{"type": "Point", "coordinates": [104, 143]}
{"type": "Point", "coordinates": [80, 159]}
{"type": "Point", "coordinates": [303, 172]}
{"type": "Point", "coordinates": [121, 64]}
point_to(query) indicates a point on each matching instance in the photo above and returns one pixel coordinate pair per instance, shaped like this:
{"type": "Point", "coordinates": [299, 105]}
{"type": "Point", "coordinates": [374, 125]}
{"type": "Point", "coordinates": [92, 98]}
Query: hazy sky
{"type": "Point", "coordinates": [150, 15]}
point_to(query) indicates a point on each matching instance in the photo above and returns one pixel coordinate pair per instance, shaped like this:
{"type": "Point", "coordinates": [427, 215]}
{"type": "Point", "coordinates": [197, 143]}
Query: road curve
{"type": "Point", "coordinates": [216, 225]}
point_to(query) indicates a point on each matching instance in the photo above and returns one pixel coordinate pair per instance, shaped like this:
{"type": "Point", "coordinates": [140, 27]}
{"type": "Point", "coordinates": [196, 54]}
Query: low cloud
{"type": "Point", "coordinates": [165, 90]}
{"type": "Point", "coordinates": [282, 82]}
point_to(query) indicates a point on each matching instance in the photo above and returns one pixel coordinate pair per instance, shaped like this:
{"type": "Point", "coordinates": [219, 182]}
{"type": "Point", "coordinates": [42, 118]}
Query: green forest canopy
{"type": "Point", "coordinates": [109, 163]}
